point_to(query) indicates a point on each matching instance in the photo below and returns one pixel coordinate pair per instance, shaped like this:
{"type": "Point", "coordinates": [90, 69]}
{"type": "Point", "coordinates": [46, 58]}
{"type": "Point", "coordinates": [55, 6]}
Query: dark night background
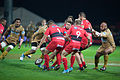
{"type": "Point", "coordinates": [58, 10]}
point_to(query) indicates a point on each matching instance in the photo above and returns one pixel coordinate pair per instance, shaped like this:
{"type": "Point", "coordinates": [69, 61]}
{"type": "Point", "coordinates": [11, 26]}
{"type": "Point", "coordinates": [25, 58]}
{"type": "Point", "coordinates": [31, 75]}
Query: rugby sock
{"type": "Point", "coordinates": [105, 60]}
{"type": "Point", "coordinates": [96, 62]}
{"type": "Point", "coordinates": [2, 50]}
{"type": "Point", "coordinates": [27, 53]}
{"type": "Point", "coordinates": [83, 63]}
{"type": "Point", "coordinates": [46, 60]}
{"type": "Point", "coordinates": [72, 60]}
{"type": "Point", "coordinates": [42, 56]}
{"type": "Point", "coordinates": [80, 65]}
{"type": "Point", "coordinates": [54, 63]}
{"type": "Point", "coordinates": [65, 63]}
{"type": "Point", "coordinates": [58, 59]}
{"type": "Point", "coordinates": [3, 54]}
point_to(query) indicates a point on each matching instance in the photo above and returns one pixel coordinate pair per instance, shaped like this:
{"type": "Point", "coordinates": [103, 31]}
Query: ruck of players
{"type": "Point", "coordinates": [57, 42]}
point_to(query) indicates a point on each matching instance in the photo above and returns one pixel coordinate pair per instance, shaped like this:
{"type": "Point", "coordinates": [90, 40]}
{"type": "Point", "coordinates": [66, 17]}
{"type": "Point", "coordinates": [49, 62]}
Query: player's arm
{"type": "Point", "coordinates": [22, 38]}
{"type": "Point", "coordinates": [43, 38]}
{"type": "Point", "coordinates": [34, 35]}
{"type": "Point", "coordinates": [68, 34]}
{"type": "Point", "coordinates": [6, 32]}
{"type": "Point", "coordinates": [42, 41]}
{"type": "Point", "coordinates": [96, 33]}
{"type": "Point", "coordinates": [88, 37]}
{"type": "Point", "coordinates": [67, 37]}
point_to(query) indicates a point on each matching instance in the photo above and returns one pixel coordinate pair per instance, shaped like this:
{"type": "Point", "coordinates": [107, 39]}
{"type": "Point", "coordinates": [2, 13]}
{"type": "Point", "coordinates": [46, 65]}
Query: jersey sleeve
{"type": "Point", "coordinates": [104, 34]}
{"type": "Point", "coordinates": [1, 29]}
{"type": "Point", "coordinates": [47, 31]}
{"type": "Point", "coordinates": [22, 33]}
{"type": "Point", "coordinates": [86, 34]}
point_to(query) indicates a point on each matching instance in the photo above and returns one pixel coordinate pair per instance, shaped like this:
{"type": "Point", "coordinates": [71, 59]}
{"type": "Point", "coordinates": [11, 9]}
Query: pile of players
{"type": "Point", "coordinates": [73, 37]}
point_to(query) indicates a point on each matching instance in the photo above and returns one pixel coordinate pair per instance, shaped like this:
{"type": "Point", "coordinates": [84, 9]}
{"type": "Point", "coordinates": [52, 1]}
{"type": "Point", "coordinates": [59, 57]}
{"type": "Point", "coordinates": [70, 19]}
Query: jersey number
{"type": "Point", "coordinates": [58, 30]}
{"type": "Point", "coordinates": [78, 33]}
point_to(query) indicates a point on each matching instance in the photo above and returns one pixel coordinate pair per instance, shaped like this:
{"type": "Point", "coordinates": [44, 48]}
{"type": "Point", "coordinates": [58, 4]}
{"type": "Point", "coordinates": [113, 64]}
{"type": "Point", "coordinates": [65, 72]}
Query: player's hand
{"type": "Point", "coordinates": [19, 46]}
{"type": "Point", "coordinates": [3, 37]}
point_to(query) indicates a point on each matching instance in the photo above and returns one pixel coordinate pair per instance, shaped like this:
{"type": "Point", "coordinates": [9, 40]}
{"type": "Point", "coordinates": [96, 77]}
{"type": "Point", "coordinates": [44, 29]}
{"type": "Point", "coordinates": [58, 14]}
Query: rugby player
{"type": "Point", "coordinates": [76, 34]}
{"type": "Point", "coordinates": [30, 31]}
{"type": "Point", "coordinates": [86, 25]}
{"type": "Point", "coordinates": [16, 30]}
{"type": "Point", "coordinates": [36, 38]}
{"type": "Point", "coordinates": [57, 42]}
{"type": "Point", "coordinates": [65, 31]}
{"type": "Point", "coordinates": [108, 45]}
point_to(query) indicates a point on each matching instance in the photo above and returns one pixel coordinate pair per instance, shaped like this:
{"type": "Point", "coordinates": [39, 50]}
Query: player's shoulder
{"type": "Point", "coordinates": [21, 27]}
{"type": "Point", "coordinates": [12, 25]}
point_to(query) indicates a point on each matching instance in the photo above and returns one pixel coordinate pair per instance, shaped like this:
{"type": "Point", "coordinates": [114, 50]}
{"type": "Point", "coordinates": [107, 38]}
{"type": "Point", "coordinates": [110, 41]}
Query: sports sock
{"type": "Point", "coordinates": [96, 62]}
{"type": "Point", "coordinates": [65, 63]}
{"type": "Point", "coordinates": [58, 59]}
{"type": "Point", "coordinates": [54, 63]}
{"type": "Point", "coordinates": [83, 63]}
{"type": "Point", "coordinates": [3, 54]}
{"type": "Point", "coordinates": [46, 60]}
{"type": "Point", "coordinates": [80, 65]}
{"type": "Point", "coordinates": [72, 60]}
{"type": "Point", "coordinates": [27, 53]}
{"type": "Point", "coordinates": [105, 60]}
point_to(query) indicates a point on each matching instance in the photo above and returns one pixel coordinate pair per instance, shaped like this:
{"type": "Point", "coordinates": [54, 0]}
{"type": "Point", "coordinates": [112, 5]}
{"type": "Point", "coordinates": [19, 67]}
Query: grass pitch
{"type": "Point", "coordinates": [11, 68]}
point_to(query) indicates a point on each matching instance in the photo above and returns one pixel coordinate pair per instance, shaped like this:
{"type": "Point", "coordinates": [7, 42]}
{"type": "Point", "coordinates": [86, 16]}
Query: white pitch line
{"type": "Point", "coordinates": [113, 64]}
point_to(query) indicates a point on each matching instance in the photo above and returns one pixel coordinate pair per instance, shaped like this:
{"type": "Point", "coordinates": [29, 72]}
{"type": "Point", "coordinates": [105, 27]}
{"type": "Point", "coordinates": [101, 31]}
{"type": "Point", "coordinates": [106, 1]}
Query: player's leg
{"type": "Point", "coordinates": [52, 57]}
{"type": "Point", "coordinates": [77, 56]}
{"type": "Point", "coordinates": [10, 47]}
{"type": "Point", "coordinates": [30, 40]}
{"type": "Point", "coordinates": [32, 51]}
{"type": "Point", "coordinates": [46, 57]}
{"type": "Point", "coordinates": [99, 53]}
{"type": "Point", "coordinates": [97, 56]}
{"type": "Point", "coordinates": [42, 49]}
{"type": "Point", "coordinates": [50, 48]}
{"type": "Point", "coordinates": [64, 59]}
{"type": "Point", "coordinates": [2, 45]}
{"type": "Point", "coordinates": [83, 61]}
{"type": "Point", "coordinates": [72, 60]}
{"type": "Point", "coordinates": [107, 51]}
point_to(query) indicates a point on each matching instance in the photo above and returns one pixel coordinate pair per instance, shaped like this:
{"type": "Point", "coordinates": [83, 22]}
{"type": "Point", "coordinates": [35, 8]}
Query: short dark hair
{"type": "Point", "coordinates": [69, 22]}
{"type": "Point", "coordinates": [2, 19]}
{"type": "Point", "coordinates": [50, 22]}
{"type": "Point", "coordinates": [82, 14]}
{"type": "Point", "coordinates": [70, 17]}
{"type": "Point", "coordinates": [77, 22]}
{"type": "Point", "coordinates": [16, 20]}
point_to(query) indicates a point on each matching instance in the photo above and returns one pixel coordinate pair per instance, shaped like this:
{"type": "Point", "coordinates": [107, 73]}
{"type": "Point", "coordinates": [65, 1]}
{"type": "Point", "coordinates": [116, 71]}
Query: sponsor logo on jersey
{"type": "Point", "coordinates": [75, 27]}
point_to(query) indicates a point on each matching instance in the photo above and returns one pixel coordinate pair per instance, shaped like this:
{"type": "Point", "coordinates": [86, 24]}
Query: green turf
{"type": "Point", "coordinates": [13, 69]}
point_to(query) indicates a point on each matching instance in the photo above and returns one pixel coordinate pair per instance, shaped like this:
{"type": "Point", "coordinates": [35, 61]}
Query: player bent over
{"type": "Point", "coordinates": [107, 47]}
{"type": "Point", "coordinates": [57, 42]}
{"type": "Point", "coordinates": [76, 34]}
{"type": "Point", "coordinates": [36, 37]}
{"type": "Point", "coordinates": [16, 30]}
{"type": "Point", "coordinates": [86, 25]}
{"type": "Point", "coordinates": [65, 31]}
